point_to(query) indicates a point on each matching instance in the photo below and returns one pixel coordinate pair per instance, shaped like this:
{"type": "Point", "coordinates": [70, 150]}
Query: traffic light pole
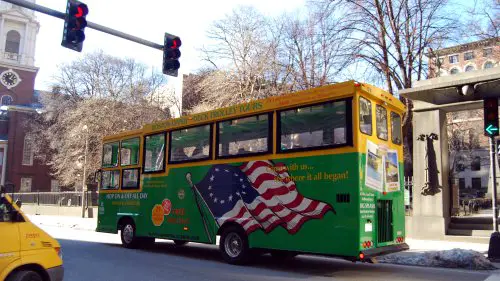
{"type": "Point", "coordinates": [57, 14]}
{"type": "Point", "coordinates": [494, 183]}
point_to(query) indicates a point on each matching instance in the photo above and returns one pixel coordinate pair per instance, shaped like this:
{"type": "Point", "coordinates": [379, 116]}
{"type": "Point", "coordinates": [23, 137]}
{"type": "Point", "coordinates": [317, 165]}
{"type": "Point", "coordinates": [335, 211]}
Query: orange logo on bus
{"type": "Point", "coordinates": [157, 215]}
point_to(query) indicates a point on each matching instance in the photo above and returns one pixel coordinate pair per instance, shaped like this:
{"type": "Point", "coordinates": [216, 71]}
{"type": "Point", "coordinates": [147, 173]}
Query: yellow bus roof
{"type": "Point", "coordinates": [314, 95]}
{"type": "Point", "coordinates": [125, 134]}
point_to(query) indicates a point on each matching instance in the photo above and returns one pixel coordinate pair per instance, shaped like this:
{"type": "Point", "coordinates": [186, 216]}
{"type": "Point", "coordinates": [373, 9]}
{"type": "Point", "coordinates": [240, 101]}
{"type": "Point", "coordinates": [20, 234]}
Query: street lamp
{"type": "Point", "coordinates": [84, 179]}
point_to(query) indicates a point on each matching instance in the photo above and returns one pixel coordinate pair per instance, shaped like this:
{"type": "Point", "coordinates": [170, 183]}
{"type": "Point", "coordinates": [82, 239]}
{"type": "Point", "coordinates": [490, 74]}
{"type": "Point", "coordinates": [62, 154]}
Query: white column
{"type": "Point", "coordinates": [4, 164]}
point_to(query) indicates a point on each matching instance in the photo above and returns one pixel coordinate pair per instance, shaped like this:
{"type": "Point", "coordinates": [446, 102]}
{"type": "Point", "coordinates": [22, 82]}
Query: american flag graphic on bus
{"type": "Point", "coordinates": [258, 195]}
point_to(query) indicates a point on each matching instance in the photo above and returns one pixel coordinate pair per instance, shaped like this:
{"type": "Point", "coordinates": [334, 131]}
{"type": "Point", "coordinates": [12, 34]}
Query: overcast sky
{"type": "Point", "coordinates": [148, 19]}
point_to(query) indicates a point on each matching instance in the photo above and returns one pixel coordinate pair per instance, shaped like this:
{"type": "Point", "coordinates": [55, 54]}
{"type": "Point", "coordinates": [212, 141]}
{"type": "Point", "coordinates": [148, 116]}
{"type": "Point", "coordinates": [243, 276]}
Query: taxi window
{"type": "Point", "coordinates": [5, 210]}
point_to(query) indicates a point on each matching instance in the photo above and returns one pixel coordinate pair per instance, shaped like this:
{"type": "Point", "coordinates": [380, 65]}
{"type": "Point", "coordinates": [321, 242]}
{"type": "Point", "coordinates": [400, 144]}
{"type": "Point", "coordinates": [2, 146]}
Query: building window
{"type": "Point", "coordinates": [488, 64]}
{"type": "Point", "coordinates": [25, 185]}
{"type": "Point", "coordinates": [454, 71]}
{"type": "Point", "coordinates": [453, 59]}
{"type": "Point", "coordinates": [7, 100]}
{"type": "Point", "coordinates": [461, 183]}
{"type": "Point", "coordinates": [54, 185]}
{"type": "Point", "coordinates": [476, 183]}
{"type": "Point", "coordinates": [487, 52]}
{"type": "Point", "coordinates": [469, 68]}
{"type": "Point", "coordinates": [12, 42]}
{"type": "Point", "coordinates": [28, 151]}
{"type": "Point", "coordinates": [469, 56]}
{"type": "Point", "coordinates": [476, 164]}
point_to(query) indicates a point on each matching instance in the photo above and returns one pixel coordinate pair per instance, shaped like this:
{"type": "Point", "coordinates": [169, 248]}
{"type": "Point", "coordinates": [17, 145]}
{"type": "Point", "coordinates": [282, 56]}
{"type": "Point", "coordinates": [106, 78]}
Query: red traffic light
{"type": "Point", "coordinates": [82, 11]}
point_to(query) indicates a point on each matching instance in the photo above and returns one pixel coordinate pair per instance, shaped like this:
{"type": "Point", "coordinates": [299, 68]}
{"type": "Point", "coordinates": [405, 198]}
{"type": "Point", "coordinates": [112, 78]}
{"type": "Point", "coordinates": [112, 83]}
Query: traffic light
{"type": "Point", "coordinates": [171, 55]}
{"type": "Point", "coordinates": [490, 117]}
{"type": "Point", "coordinates": [74, 25]}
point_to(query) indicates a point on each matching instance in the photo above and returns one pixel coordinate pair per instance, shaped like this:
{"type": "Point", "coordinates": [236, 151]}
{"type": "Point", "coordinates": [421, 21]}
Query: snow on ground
{"type": "Point", "coordinates": [455, 258]}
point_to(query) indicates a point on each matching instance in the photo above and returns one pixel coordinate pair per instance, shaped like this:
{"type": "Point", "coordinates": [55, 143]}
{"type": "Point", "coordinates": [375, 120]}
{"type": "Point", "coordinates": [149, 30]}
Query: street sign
{"type": "Point", "coordinates": [490, 106]}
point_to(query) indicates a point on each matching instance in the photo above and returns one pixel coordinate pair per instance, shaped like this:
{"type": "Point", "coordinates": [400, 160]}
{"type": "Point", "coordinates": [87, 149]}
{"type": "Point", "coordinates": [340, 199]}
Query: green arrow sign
{"type": "Point", "coordinates": [491, 129]}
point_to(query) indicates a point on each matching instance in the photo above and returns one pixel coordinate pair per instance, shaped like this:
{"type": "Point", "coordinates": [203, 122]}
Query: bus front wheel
{"type": "Point", "coordinates": [234, 246]}
{"type": "Point", "coordinates": [127, 235]}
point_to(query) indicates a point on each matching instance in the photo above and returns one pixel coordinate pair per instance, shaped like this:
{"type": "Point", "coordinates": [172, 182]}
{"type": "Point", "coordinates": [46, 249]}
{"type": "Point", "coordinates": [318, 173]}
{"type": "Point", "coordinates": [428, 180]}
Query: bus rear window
{"type": "Point", "coordinates": [396, 128]}
{"type": "Point", "coordinates": [154, 153]}
{"type": "Point", "coordinates": [381, 116]}
{"type": "Point", "coordinates": [190, 144]}
{"type": "Point", "coordinates": [129, 152]}
{"type": "Point", "coordinates": [365, 116]}
{"type": "Point", "coordinates": [314, 126]}
{"type": "Point", "coordinates": [244, 136]}
{"type": "Point", "coordinates": [110, 154]}
{"type": "Point", "coordinates": [110, 179]}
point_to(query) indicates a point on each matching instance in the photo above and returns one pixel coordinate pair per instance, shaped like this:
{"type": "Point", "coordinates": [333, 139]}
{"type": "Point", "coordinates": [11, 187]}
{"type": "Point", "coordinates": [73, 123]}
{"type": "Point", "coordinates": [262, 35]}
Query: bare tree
{"type": "Point", "coordinates": [483, 20]}
{"type": "Point", "coordinates": [96, 96]}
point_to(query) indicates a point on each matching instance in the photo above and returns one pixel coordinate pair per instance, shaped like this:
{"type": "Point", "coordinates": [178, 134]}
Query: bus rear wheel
{"type": "Point", "coordinates": [234, 246]}
{"type": "Point", "coordinates": [180, 242]}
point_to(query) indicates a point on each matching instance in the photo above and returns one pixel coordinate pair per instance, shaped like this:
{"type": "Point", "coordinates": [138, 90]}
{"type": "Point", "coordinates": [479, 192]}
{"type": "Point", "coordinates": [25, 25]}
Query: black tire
{"type": "Point", "coordinates": [127, 235]}
{"type": "Point", "coordinates": [25, 275]}
{"type": "Point", "coordinates": [180, 242]}
{"type": "Point", "coordinates": [234, 246]}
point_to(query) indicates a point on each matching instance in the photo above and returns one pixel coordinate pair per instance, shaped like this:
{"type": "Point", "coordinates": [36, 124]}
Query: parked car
{"type": "Point", "coordinates": [27, 253]}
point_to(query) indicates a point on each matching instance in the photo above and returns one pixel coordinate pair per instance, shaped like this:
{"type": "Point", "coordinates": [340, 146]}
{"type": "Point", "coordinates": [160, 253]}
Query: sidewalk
{"type": "Point", "coordinates": [65, 221]}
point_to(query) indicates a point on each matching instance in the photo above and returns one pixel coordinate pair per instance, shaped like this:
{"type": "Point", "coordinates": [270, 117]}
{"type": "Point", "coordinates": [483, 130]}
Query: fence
{"type": "Point", "coordinates": [67, 199]}
{"type": "Point", "coordinates": [408, 195]}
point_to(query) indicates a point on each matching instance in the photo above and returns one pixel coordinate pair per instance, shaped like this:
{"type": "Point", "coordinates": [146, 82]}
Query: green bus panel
{"type": "Point", "coordinates": [327, 220]}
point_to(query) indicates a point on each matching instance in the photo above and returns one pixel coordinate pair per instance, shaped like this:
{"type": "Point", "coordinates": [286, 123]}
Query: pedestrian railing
{"type": "Point", "coordinates": [64, 198]}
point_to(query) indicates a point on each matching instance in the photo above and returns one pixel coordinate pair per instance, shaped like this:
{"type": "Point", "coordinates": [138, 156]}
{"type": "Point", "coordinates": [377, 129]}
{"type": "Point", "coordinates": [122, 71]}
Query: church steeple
{"type": "Point", "coordinates": [18, 30]}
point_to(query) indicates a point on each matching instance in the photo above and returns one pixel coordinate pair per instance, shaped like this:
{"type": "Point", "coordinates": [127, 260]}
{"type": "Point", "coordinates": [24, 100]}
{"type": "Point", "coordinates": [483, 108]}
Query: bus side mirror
{"type": "Point", "coordinates": [97, 175]}
{"type": "Point", "coordinates": [19, 203]}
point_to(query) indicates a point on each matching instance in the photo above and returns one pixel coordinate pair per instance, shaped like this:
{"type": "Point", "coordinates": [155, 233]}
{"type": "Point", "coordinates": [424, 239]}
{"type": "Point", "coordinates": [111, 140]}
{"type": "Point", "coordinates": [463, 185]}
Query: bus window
{"type": "Point", "coordinates": [396, 128]}
{"type": "Point", "coordinates": [381, 115]}
{"type": "Point", "coordinates": [365, 116]}
{"type": "Point", "coordinates": [313, 126]}
{"type": "Point", "coordinates": [110, 154]}
{"type": "Point", "coordinates": [244, 136]}
{"type": "Point", "coordinates": [190, 144]}
{"type": "Point", "coordinates": [110, 179]}
{"type": "Point", "coordinates": [130, 179]}
{"type": "Point", "coordinates": [129, 152]}
{"type": "Point", "coordinates": [154, 153]}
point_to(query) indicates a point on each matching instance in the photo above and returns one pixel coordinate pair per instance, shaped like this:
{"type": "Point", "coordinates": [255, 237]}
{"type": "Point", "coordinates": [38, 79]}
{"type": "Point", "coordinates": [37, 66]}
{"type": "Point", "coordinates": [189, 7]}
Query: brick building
{"type": "Point", "coordinates": [18, 99]}
{"type": "Point", "coordinates": [472, 56]}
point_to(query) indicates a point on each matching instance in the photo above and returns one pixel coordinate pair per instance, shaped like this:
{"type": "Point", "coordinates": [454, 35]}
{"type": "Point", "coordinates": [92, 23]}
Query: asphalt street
{"type": "Point", "coordinates": [97, 256]}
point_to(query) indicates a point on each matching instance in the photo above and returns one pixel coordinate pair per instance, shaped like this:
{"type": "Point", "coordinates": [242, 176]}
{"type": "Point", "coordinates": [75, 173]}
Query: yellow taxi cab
{"type": "Point", "coordinates": [27, 253]}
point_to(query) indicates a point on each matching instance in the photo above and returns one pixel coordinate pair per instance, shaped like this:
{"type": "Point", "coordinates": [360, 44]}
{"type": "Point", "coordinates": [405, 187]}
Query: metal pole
{"type": "Point", "coordinates": [84, 180]}
{"type": "Point", "coordinates": [57, 14]}
{"type": "Point", "coordinates": [494, 183]}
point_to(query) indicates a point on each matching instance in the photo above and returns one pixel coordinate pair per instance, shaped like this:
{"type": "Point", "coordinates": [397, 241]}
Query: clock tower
{"type": "Point", "coordinates": [18, 30]}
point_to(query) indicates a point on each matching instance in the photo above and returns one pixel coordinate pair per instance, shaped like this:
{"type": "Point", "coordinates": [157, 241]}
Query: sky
{"type": "Point", "coordinates": [147, 19]}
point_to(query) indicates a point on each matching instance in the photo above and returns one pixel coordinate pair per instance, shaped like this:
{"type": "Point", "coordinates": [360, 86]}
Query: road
{"type": "Point", "coordinates": [97, 256]}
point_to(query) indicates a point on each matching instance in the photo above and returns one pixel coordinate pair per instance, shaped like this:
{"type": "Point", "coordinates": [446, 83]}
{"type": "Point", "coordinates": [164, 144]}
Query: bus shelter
{"type": "Point", "coordinates": [434, 199]}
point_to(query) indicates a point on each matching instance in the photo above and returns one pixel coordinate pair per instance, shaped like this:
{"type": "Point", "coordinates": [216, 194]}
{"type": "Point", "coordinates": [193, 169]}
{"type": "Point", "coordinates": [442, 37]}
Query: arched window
{"type": "Point", "coordinates": [454, 71]}
{"type": "Point", "coordinates": [7, 100]}
{"type": "Point", "coordinates": [13, 41]}
{"type": "Point", "coordinates": [469, 68]}
{"type": "Point", "coordinates": [488, 64]}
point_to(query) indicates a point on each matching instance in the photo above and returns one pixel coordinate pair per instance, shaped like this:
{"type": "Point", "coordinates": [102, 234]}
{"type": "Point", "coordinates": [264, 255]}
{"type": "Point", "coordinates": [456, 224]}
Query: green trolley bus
{"type": "Point", "coordinates": [317, 171]}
